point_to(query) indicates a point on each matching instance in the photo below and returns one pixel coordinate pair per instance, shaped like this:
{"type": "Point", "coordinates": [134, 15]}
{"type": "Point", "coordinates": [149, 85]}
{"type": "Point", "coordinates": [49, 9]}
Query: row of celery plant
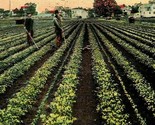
{"type": "Point", "coordinates": [140, 45]}
{"type": "Point", "coordinates": [18, 32]}
{"type": "Point", "coordinates": [7, 34]}
{"type": "Point", "coordinates": [10, 38]}
{"type": "Point", "coordinates": [23, 54]}
{"type": "Point", "coordinates": [17, 57]}
{"type": "Point", "coordinates": [134, 34]}
{"type": "Point", "coordinates": [15, 40]}
{"type": "Point", "coordinates": [141, 32]}
{"type": "Point", "coordinates": [19, 41]}
{"type": "Point", "coordinates": [61, 106]}
{"type": "Point", "coordinates": [12, 50]}
{"type": "Point", "coordinates": [15, 43]}
{"type": "Point", "coordinates": [15, 49]}
{"type": "Point", "coordinates": [23, 100]}
{"type": "Point", "coordinates": [143, 28]}
{"type": "Point", "coordinates": [133, 29]}
{"type": "Point", "coordinates": [41, 108]}
{"type": "Point", "coordinates": [134, 106]}
{"type": "Point", "coordinates": [140, 56]}
{"type": "Point", "coordinates": [140, 37]}
{"type": "Point", "coordinates": [110, 103]}
{"type": "Point", "coordinates": [8, 77]}
{"type": "Point", "coordinates": [141, 85]}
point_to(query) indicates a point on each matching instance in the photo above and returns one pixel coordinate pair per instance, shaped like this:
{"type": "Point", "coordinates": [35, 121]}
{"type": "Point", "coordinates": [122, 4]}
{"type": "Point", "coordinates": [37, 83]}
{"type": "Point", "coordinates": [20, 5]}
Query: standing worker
{"type": "Point", "coordinates": [29, 28]}
{"type": "Point", "coordinates": [58, 28]}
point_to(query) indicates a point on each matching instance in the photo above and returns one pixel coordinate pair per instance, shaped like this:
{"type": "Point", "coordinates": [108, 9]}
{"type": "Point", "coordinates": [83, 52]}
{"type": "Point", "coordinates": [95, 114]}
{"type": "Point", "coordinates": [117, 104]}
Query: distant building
{"type": "Point", "coordinates": [79, 13]}
{"type": "Point", "coordinates": [147, 10]}
{"type": "Point", "coordinates": [136, 15]}
{"type": "Point", "coordinates": [126, 9]}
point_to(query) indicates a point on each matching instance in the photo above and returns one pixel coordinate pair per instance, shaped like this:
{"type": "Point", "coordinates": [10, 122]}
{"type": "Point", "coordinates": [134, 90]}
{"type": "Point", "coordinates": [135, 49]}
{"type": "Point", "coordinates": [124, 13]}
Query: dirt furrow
{"type": "Point", "coordinates": [85, 107]}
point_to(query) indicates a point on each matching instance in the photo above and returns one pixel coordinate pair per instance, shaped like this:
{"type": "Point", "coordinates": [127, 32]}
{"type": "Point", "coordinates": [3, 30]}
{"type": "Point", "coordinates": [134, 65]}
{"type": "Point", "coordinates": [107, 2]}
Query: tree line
{"type": "Point", "coordinates": [29, 8]}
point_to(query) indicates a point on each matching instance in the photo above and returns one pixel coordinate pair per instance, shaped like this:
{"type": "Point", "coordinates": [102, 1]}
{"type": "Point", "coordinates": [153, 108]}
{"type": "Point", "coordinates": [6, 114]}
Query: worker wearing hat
{"type": "Point", "coordinates": [29, 28]}
{"type": "Point", "coordinates": [58, 28]}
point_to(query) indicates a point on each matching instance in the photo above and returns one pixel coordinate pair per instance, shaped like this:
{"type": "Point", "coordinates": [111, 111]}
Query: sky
{"type": "Point", "coordinates": [50, 4]}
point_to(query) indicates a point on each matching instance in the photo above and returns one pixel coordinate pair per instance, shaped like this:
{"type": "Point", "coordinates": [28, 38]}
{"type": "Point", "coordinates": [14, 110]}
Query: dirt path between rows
{"type": "Point", "coordinates": [85, 107]}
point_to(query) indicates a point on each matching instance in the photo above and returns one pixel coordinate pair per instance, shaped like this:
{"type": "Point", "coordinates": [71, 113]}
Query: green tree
{"type": "Point", "coordinates": [31, 8]}
{"type": "Point", "coordinates": [6, 12]}
{"type": "Point", "coordinates": [117, 11]}
{"type": "Point", "coordinates": [1, 10]}
{"type": "Point", "coordinates": [19, 12]}
{"type": "Point", "coordinates": [91, 13]}
{"type": "Point", "coordinates": [134, 9]}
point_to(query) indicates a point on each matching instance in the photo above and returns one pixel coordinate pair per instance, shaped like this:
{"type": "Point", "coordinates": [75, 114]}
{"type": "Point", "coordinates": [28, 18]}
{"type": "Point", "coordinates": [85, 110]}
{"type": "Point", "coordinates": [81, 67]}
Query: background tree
{"type": "Point", "coordinates": [117, 10]}
{"type": "Point", "coordinates": [134, 9]}
{"type": "Point", "coordinates": [31, 8]}
{"type": "Point", "coordinates": [91, 13]}
{"type": "Point", "coordinates": [104, 7]}
{"type": "Point", "coordinates": [1, 10]}
{"type": "Point", "coordinates": [6, 12]}
{"type": "Point", "coordinates": [15, 11]}
{"type": "Point", "coordinates": [19, 12]}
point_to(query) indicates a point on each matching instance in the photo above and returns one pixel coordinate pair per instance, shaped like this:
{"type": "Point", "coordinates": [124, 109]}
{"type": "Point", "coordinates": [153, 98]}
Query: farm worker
{"type": "Point", "coordinates": [58, 28]}
{"type": "Point", "coordinates": [29, 28]}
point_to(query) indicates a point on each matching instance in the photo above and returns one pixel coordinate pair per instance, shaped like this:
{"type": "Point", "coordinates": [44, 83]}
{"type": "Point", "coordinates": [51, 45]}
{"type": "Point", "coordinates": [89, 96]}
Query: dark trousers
{"type": "Point", "coordinates": [29, 40]}
{"type": "Point", "coordinates": [59, 38]}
